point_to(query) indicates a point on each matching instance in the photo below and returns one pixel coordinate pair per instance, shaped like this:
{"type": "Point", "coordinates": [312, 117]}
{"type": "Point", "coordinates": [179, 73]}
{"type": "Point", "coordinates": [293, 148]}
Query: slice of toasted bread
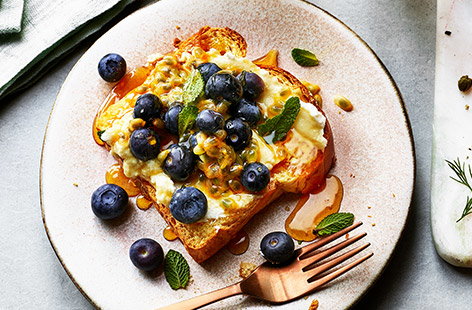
{"type": "Point", "coordinates": [302, 170]}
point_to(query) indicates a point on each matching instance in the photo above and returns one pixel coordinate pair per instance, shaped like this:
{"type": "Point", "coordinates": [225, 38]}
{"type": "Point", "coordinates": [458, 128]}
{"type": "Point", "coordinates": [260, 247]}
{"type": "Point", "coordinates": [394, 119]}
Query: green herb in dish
{"type": "Point", "coordinates": [281, 123]}
{"type": "Point", "coordinates": [193, 87]}
{"type": "Point", "coordinates": [187, 118]}
{"type": "Point", "coordinates": [176, 270]}
{"type": "Point", "coordinates": [462, 178]}
{"type": "Point", "coordinates": [304, 58]}
{"type": "Point", "coordinates": [333, 223]}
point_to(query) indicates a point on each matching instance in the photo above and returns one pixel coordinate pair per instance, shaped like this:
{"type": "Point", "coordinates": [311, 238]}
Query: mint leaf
{"type": "Point", "coordinates": [193, 87]}
{"type": "Point", "coordinates": [289, 115]}
{"type": "Point", "coordinates": [304, 58]}
{"type": "Point", "coordinates": [269, 125]}
{"type": "Point", "coordinates": [333, 223]}
{"type": "Point", "coordinates": [176, 270]}
{"type": "Point", "coordinates": [187, 118]}
{"type": "Point", "coordinates": [282, 122]}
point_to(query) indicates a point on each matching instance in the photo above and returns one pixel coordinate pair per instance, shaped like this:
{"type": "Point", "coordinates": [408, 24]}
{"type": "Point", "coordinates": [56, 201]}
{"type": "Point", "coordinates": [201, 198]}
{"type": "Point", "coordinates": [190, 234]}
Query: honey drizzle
{"type": "Point", "coordinates": [128, 82]}
{"type": "Point", "coordinates": [239, 244]}
{"type": "Point", "coordinates": [269, 59]}
{"type": "Point", "coordinates": [115, 175]}
{"type": "Point", "coordinates": [143, 203]}
{"type": "Point", "coordinates": [169, 234]}
{"type": "Point", "coordinates": [312, 208]}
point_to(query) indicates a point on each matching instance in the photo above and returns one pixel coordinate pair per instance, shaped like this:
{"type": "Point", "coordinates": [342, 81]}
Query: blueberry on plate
{"type": "Point", "coordinates": [146, 254]}
{"type": "Point", "coordinates": [277, 247]}
{"type": "Point", "coordinates": [210, 121]}
{"type": "Point", "coordinates": [188, 205]}
{"type": "Point", "coordinates": [112, 67]}
{"type": "Point", "coordinates": [147, 107]}
{"type": "Point", "coordinates": [109, 201]}
{"type": "Point", "coordinates": [179, 163]}
{"type": "Point", "coordinates": [255, 176]}
{"type": "Point", "coordinates": [248, 111]}
{"type": "Point", "coordinates": [253, 85]}
{"type": "Point", "coordinates": [207, 69]}
{"type": "Point", "coordinates": [223, 85]}
{"type": "Point", "coordinates": [238, 132]}
{"type": "Point", "coordinates": [144, 144]}
{"type": "Point", "coordinates": [171, 118]}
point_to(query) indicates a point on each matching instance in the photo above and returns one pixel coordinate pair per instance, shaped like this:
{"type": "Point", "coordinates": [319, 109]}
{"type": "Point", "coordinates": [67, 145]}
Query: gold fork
{"type": "Point", "coordinates": [279, 284]}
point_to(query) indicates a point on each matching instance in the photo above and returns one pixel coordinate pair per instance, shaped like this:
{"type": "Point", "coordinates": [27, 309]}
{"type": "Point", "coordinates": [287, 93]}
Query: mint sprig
{"type": "Point", "coordinates": [281, 123]}
{"type": "Point", "coordinates": [193, 87]}
{"type": "Point", "coordinates": [176, 270]}
{"type": "Point", "coordinates": [333, 223]}
{"type": "Point", "coordinates": [304, 58]}
{"type": "Point", "coordinates": [187, 118]}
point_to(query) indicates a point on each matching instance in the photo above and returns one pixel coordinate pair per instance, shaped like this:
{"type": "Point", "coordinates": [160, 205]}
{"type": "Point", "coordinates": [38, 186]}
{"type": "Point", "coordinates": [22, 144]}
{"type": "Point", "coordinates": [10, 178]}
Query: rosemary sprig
{"type": "Point", "coordinates": [462, 178]}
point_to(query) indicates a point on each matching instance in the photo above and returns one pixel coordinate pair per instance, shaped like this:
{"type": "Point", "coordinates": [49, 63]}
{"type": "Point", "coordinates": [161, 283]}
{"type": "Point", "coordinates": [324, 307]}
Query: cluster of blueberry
{"type": "Point", "coordinates": [189, 204]}
{"type": "Point", "coordinates": [110, 201]}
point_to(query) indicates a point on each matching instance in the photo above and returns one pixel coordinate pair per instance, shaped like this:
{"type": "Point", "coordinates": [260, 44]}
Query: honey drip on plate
{"type": "Point", "coordinates": [169, 234]}
{"type": "Point", "coordinates": [312, 208]}
{"type": "Point", "coordinates": [143, 203]}
{"type": "Point", "coordinates": [269, 59]}
{"type": "Point", "coordinates": [115, 175]}
{"type": "Point", "coordinates": [239, 244]}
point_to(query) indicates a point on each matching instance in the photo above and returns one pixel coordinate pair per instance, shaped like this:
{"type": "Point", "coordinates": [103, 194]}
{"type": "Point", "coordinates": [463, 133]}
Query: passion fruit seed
{"type": "Point", "coordinates": [343, 103]}
{"type": "Point", "coordinates": [318, 100]}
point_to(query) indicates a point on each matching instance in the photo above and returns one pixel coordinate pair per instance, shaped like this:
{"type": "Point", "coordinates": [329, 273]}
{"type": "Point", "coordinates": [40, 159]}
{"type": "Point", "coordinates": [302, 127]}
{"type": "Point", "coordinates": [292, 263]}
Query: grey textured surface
{"type": "Point", "coordinates": [401, 33]}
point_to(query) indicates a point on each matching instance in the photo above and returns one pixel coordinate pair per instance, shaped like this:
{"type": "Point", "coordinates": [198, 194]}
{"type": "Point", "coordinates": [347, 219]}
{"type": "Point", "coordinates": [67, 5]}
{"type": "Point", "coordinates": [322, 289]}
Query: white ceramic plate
{"type": "Point", "coordinates": [373, 144]}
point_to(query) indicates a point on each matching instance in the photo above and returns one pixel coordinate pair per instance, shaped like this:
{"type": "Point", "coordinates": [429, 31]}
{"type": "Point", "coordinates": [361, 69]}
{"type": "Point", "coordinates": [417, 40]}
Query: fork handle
{"type": "Point", "coordinates": [206, 299]}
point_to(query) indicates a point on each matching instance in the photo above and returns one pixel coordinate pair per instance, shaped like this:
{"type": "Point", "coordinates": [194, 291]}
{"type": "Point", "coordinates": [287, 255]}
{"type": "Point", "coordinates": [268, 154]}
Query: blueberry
{"type": "Point", "coordinates": [188, 205]}
{"type": "Point", "coordinates": [207, 70]}
{"type": "Point", "coordinates": [146, 254]}
{"type": "Point", "coordinates": [210, 121]}
{"type": "Point", "coordinates": [171, 119]}
{"type": "Point", "coordinates": [238, 132]}
{"type": "Point", "coordinates": [255, 176]}
{"type": "Point", "coordinates": [192, 141]}
{"type": "Point", "coordinates": [277, 247]}
{"type": "Point", "coordinates": [109, 201]}
{"type": "Point", "coordinates": [248, 111]}
{"type": "Point", "coordinates": [112, 67]}
{"type": "Point", "coordinates": [223, 86]}
{"type": "Point", "coordinates": [144, 144]}
{"type": "Point", "coordinates": [253, 85]}
{"type": "Point", "coordinates": [147, 107]}
{"type": "Point", "coordinates": [179, 163]}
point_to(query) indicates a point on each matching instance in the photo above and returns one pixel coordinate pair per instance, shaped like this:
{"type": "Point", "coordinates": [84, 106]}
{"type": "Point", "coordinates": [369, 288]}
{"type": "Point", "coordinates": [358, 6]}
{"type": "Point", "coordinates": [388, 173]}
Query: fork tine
{"type": "Point", "coordinates": [333, 275]}
{"type": "Point", "coordinates": [333, 262]}
{"type": "Point", "coordinates": [331, 250]}
{"type": "Point", "coordinates": [319, 243]}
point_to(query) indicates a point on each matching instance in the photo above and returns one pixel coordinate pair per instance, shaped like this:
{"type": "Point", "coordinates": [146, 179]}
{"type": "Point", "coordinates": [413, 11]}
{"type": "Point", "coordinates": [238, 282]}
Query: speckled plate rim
{"type": "Point", "coordinates": [399, 97]}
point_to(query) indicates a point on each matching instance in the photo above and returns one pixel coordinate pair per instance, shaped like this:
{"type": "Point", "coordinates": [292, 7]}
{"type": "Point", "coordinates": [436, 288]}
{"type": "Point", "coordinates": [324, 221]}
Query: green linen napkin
{"type": "Point", "coordinates": [50, 29]}
{"type": "Point", "coordinates": [11, 12]}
